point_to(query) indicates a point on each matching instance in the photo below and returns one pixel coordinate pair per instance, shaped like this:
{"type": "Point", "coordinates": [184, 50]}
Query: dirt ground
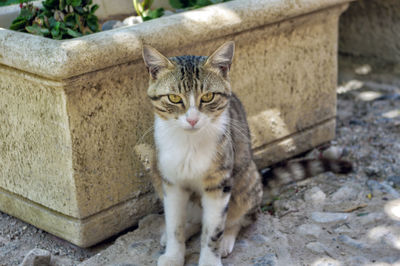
{"type": "Point", "coordinates": [362, 230]}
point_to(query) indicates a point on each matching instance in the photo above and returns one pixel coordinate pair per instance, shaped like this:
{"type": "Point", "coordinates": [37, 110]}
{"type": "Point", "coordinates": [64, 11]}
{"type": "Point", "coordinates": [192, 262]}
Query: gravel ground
{"type": "Point", "coordinates": [364, 229]}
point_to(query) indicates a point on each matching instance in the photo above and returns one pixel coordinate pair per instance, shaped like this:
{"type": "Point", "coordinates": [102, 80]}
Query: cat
{"type": "Point", "coordinates": [205, 173]}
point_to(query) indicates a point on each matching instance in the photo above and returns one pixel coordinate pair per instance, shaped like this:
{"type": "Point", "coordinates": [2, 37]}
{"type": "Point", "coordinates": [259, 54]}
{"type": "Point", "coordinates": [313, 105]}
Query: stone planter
{"type": "Point", "coordinates": [73, 113]}
{"type": "Point", "coordinates": [371, 28]}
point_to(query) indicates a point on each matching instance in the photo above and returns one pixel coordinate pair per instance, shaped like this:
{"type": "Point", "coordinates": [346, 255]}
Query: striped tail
{"type": "Point", "coordinates": [296, 170]}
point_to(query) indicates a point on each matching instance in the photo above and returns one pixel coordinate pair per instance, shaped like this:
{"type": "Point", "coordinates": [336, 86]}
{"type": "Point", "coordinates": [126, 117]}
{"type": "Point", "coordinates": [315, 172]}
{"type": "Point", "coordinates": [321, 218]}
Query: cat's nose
{"type": "Point", "coordinates": [192, 121]}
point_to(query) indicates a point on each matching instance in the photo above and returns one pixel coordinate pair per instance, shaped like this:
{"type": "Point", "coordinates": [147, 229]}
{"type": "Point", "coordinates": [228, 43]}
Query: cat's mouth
{"type": "Point", "coordinates": [191, 129]}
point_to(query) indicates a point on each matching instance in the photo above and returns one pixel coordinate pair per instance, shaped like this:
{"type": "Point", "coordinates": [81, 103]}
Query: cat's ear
{"type": "Point", "coordinates": [221, 59]}
{"type": "Point", "coordinates": [154, 61]}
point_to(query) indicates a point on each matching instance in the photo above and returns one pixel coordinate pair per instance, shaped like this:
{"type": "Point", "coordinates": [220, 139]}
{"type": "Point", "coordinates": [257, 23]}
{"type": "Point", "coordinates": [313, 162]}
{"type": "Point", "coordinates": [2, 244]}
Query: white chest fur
{"type": "Point", "coordinates": [183, 155]}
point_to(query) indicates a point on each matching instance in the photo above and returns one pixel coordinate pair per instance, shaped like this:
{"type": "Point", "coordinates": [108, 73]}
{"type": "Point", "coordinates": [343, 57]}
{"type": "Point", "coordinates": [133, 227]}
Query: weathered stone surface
{"type": "Point", "coordinates": [76, 121]}
{"type": "Point", "coordinates": [372, 28]}
{"type": "Point", "coordinates": [329, 217]}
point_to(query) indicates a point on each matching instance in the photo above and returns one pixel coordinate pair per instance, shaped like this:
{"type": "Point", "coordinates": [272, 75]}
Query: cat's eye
{"type": "Point", "coordinates": [174, 98]}
{"type": "Point", "coordinates": [207, 97]}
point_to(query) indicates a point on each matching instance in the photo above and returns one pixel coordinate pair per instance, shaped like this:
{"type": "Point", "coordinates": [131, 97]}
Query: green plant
{"type": "Point", "coordinates": [8, 2]}
{"type": "Point", "coordinates": [143, 9]}
{"type": "Point", "coordinates": [192, 4]}
{"type": "Point", "coordinates": [58, 19]}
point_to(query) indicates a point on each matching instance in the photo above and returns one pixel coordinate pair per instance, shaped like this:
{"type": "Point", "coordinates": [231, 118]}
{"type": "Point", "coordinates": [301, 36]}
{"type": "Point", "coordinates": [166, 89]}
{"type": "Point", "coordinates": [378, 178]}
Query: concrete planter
{"type": "Point", "coordinates": [73, 113]}
{"type": "Point", "coordinates": [371, 28]}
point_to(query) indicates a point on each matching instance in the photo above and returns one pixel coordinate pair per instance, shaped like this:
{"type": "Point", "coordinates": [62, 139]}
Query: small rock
{"type": "Point", "coordinates": [371, 218]}
{"type": "Point", "coordinates": [345, 193]}
{"type": "Point", "coordinates": [260, 239]}
{"type": "Point", "coordinates": [343, 229]}
{"type": "Point", "coordinates": [383, 187]}
{"type": "Point", "coordinates": [329, 217]}
{"type": "Point", "coordinates": [394, 180]}
{"type": "Point", "coordinates": [351, 242]}
{"type": "Point", "coordinates": [168, 13]}
{"type": "Point", "coordinates": [312, 230]}
{"type": "Point", "coordinates": [267, 260]}
{"type": "Point", "coordinates": [356, 261]}
{"type": "Point", "coordinates": [111, 24]}
{"type": "Point", "coordinates": [327, 262]}
{"type": "Point", "coordinates": [242, 243]}
{"type": "Point", "coordinates": [371, 171]}
{"type": "Point", "coordinates": [316, 248]}
{"type": "Point", "coordinates": [37, 257]}
{"type": "Point", "coordinates": [315, 196]}
{"type": "Point", "coordinates": [133, 20]}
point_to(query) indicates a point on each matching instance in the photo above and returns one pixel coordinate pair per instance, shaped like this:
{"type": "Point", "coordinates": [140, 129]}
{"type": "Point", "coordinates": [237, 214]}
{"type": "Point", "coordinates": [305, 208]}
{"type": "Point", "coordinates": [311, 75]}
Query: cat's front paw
{"type": "Point", "coordinates": [210, 261]}
{"type": "Point", "coordinates": [226, 245]}
{"type": "Point", "coordinates": [165, 260]}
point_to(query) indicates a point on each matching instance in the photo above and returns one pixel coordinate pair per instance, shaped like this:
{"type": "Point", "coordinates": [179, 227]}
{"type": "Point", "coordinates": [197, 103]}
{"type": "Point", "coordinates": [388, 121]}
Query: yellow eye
{"type": "Point", "coordinates": [174, 98]}
{"type": "Point", "coordinates": [207, 97]}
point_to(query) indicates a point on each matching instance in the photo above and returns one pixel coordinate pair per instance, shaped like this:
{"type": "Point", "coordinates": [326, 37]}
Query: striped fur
{"type": "Point", "coordinates": [205, 174]}
{"type": "Point", "coordinates": [296, 170]}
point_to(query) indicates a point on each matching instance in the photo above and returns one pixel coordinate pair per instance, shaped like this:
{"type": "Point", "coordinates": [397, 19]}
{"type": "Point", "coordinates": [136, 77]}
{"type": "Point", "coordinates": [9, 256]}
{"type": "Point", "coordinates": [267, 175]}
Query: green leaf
{"type": "Point", "coordinates": [55, 32]}
{"type": "Point", "coordinates": [152, 14]}
{"type": "Point", "coordinates": [52, 22]}
{"type": "Point", "coordinates": [70, 20]}
{"type": "Point", "coordinates": [73, 33]}
{"type": "Point", "coordinates": [19, 23]}
{"type": "Point", "coordinates": [79, 10]}
{"type": "Point", "coordinates": [75, 3]}
{"type": "Point", "coordinates": [94, 8]}
{"type": "Point", "coordinates": [35, 29]}
{"type": "Point", "coordinates": [177, 4]}
{"type": "Point", "coordinates": [92, 22]}
{"type": "Point", "coordinates": [201, 3]}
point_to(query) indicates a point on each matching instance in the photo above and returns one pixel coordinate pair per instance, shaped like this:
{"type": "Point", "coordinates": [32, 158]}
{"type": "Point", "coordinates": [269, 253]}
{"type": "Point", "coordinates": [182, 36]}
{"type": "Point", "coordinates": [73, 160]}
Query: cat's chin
{"type": "Point", "coordinates": [191, 129]}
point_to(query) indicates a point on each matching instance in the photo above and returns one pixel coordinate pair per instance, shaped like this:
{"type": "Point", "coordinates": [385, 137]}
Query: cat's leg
{"type": "Point", "coordinates": [175, 201]}
{"type": "Point", "coordinates": [193, 222]}
{"type": "Point", "coordinates": [215, 206]}
{"type": "Point", "coordinates": [228, 240]}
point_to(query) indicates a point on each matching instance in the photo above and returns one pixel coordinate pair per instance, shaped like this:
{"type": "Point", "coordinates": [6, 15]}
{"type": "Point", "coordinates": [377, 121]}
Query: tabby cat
{"type": "Point", "coordinates": [207, 178]}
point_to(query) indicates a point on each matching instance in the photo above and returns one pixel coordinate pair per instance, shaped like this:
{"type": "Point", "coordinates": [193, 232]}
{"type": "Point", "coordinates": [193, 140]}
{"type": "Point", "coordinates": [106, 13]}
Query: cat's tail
{"type": "Point", "coordinates": [300, 169]}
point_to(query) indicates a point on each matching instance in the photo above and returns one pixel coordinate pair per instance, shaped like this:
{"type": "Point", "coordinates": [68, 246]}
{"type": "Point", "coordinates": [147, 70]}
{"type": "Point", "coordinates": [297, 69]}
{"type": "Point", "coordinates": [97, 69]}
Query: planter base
{"type": "Point", "coordinates": [81, 232]}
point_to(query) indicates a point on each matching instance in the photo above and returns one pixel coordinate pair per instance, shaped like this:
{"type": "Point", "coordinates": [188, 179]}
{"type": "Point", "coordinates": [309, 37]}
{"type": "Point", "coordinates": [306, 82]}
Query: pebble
{"type": "Point", "coordinates": [315, 196]}
{"type": "Point", "coordinates": [356, 261]}
{"type": "Point", "coordinates": [132, 20]}
{"type": "Point", "coordinates": [345, 239]}
{"type": "Point", "coordinates": [311, 230]}
{"type": "Point", "coordinates": [329, 217]}
{"type": "Point", "coordinates": [371, 218]}
{"type": "Point", "coordinates": [316, 248]}
{"type": "Point", "coordinates": [394, 180]}
{"type": "Point", "coordinates": [267, 260]}
{"type": "Point", "coordinates": [372, 171]}
{"type": "Point", "coordinates": [111, 24]}
{"type": "Point", "coordinates": [383, 187]}
{"type": "Point", "coordinates": [37, 257]}
{"type": "Point", "coordinates": [345, 193]}
{"type": "Point", "coordinates": [326, 262]}
{"type": "Point", "coordinates": [260, 239]}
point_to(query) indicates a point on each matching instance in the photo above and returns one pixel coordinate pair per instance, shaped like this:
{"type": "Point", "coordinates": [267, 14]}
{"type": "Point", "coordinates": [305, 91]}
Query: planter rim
{"type": "Point", "coordinates": [59, 60]}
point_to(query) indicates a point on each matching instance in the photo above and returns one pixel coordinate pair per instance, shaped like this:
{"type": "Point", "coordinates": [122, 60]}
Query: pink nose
{"type": "Point", "coordinates": [192, 121]}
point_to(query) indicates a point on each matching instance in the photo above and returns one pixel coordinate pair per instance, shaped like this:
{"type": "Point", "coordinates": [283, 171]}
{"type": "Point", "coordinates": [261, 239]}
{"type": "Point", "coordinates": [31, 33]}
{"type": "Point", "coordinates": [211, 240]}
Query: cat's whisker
{"type": "Point", "coordinates": [145, 134]}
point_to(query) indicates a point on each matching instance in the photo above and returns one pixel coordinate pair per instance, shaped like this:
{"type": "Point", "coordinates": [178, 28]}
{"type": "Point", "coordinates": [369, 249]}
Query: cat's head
{"type": "Point", "coordinates": [191, 92]}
